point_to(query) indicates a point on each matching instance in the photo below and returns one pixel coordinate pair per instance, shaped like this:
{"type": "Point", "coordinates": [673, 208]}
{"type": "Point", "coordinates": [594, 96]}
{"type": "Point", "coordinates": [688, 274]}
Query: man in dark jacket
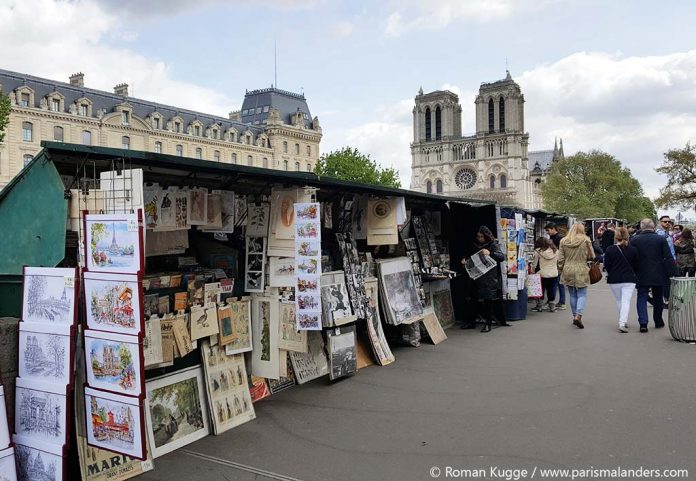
{"type": "Point", "coordinates": [552, 230]}
{"type": "Point", "coordinates": [608, 237]}
{"type": "Point", "coordinates": [653, 251]}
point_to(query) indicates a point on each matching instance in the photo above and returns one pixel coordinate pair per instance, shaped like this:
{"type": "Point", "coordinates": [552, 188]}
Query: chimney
{"type": "Point", "coordinates": [77, 79]}
{"type": "Point", "coordinates": [121, 89]}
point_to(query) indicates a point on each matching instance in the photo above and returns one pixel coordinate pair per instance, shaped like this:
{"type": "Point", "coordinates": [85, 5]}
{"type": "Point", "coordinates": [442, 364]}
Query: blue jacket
{"type": "Point", "coordinates": [653, 252]}
{"type": "Point", "coordinates": [621, 264]}
{"type": "Point", "coordinates": [670, 242]}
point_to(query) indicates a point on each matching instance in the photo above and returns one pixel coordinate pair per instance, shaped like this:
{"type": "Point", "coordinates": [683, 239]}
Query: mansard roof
{"type": "Point", "coordinates": [287, 103]}
{"type": "Point", "coordinates": [108, 101]}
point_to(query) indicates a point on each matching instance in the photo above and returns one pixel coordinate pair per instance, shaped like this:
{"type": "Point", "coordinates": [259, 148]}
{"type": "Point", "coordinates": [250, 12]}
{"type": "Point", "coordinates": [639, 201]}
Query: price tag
{"type": "Point", "coordinates": [132, 225]}
{"type": "Point", "coordinates": [69, 282]}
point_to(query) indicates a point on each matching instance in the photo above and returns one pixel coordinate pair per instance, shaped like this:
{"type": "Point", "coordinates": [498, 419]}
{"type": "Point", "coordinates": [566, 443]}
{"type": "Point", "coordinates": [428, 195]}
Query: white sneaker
{"type": "Point", "coordinates": [623, 328]}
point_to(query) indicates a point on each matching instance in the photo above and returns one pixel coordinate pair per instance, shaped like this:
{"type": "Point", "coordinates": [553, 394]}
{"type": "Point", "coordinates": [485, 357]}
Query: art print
{"type": "Point", "coordinates": [114, 362]}
{"type": "Point", "coordinates": [308, 302]}
{"type": "Point", "coordinates": [214, 213]}
{"type": "Point", "coordinates": [309, 320]}
{"type": "Point", "coordinates": [4, 426]}
{"type": "Point", "coordinates": [113, 302]}
{"type": "Point", "coordinates": [152, 343]}
{"type": "Point", "coordinates": [434, 328]}
{"type": "Point", "coordinates": [182, 334]}
{"type": "Point", "coordinates": [287, 376]}
{"type": "Point", "coordinates": [181, 210]}
{"type": "Point", "coordinates": [235, 326]}
{"type": "Point", "coordinates": [45, 352]}
{"type": "Point", "coordinates": [379, 343]}
{"type": "Point", "coordinates": [198, 207]}
{"type": "Point", "coordinates": [196, 290]}
{"type": "Point", "coordinates": [257, 223]}
{"type": "Point", "coordinates": [343, 356]}
{"type": "Point", "coordinates": [308, 266]}
{"type": "Point", "coordinates": [399, 288]}
{"type": "Point", "coordinates": [114, 422]}
{"type": "Point", "coordinates": [289, 337]}
{"type": "Point", "coordinates": [167, 210]}
{"type": "Point", "coordinates": [152, 195]}
{"type": "Point", "coordinates": [255, 264]}
{"type": "Point", "coordinates": [382, 226]}
{"type": "Point", "coordinates": [113, 243]}
{"type": "Point", "coordinates": [442, 305]}
{"type": "Point", "coordinates": [37, 460]}
{"type": "Point", "coordinates": [264, 324]}
{"type": "Point", "coordinates": [240, 210]}
{"type": "Point", "coordinates": [151, 305]}
{"type": "Point", "coordinates": [307, 231]}
{"type": "Point", "coordinates": [312, 364]}
{"type": "Point", "coordinates": [41, 411]}
{"type": "Point", "coordinates": [229, 398]}
{"type": "Point", "coordinates": [308, 284]}
{"type": "Point", "coordinates": [212, 292]}
{"type": "Point", "coordinates": [282, 271]}
{"type": "Point", "coordinates": [283, 213]}
{"type": "Point", "coordinates": [101, 465]}
{"type": "Point", "coordinates": [177, 413]}
{"type": "Point", "coordinates": [227, 211]}
{"type": "Point", "coordinates": [308, 248]}
{"type": "Point", "coordinates": [335, 305]}
{"type": "Point", "coordinates": [258, 388]}
{"type": "Point", "coordinates": [8, 465]}
{"type": "Point", "coordinates": [49, 295]}
{"type": "Point", "coordinates": [307, 212]}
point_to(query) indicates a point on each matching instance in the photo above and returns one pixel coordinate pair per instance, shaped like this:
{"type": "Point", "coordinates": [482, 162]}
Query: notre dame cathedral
{"type": "Point", "coordinates": [492, 164]}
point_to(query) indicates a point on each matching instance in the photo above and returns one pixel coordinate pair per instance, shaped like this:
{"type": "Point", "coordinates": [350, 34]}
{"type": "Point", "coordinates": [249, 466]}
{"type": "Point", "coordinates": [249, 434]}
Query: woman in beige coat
{"type": "Point", "coordinates": [573, 254]}
{"type": "Point", "coordinates": [546, 258]}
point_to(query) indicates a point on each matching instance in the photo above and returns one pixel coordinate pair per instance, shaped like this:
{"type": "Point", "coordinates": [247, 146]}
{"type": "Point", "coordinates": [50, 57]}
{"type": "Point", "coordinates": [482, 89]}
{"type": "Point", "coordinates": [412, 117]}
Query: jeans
{"type": "Point", "coordinates": [642, 305]}
{"type": "Point", "coordinates": [623, 293]}
{"type": "Point", "coordinates": [578, 297]}
{"type": "Point", "coordinates": [561, 291]}
{"type": "Point", "coordinates": [548, 285]}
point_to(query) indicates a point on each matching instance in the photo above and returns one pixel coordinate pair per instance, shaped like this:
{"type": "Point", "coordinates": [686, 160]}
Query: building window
{"type": "Point", "coordinates": [216, 156]}
{"type": "Point", "coordinates": [503, 181]}
{"type": "Point", "coordinates": [125, 142]}
{"type": "Point", "coordinates": [429, 187]}
{"type": "Point", "coordinates": [427, 124]}
{"type": "Point", "coordinates": [234, 158]}
{"type": "Point", "coordinates": [199, 153]}
{"type": "Point", "coordinates": [501, 114]}
{"type": "Point", "coordinates": [27, 158]}
{"type": "Point", "coordinates": [55, 105]}
{"type": "Point", "coordinates": [438, 186]}
{"type": "Point", "coordinates": [27, 131]}
{"type": "Point", "coordinates": [285, 147]}
{"type": "Point", "coordinates": [438, 123]}
{"type": "Point", "coordinates": [491, 115]}
{"type": "Point", "coordinates": [83, 111]}
{"type": "Point", "coordinates": [309, 151]}
{"type": "Point", "coordinates": [265, 108]}
{"type": "Point", "coordinates": [233, 136]}
{"type": "Point", "coordinates": [24, 100]}
{"type": "Point", "coordinates": [309, 167]}
{"type": "Point", "coordinates": [58, 134]}
{"type": "Point", "coordinates": [158, 147]}
{"type": "Point", "coordinates": [263, 142]}
{"type": "Point", "coordinates": [248, 139]}
{"type": "Point", "coordinates": [258, 110]}
{"type": "Point", "coordinates": [250, 160]}
{"type": "Point", "coordinates": [157, 123]}
{"type": "Point", "coordinates": [196, 131]}
{"type": "Point", "coordinates": [179, 150]}
{"type": "Point", "coordinates": [215, 134]}
{"type": "Point", "coordinates": [285, 164]}
{"type": "Point", "coordinates": [491, 181]}
{"type": "Point", "coordinates": [297, 166]}
{"type": "Point", "coordinates": [297, 149]}
{"type": "Point", "coordinates": [86, 137]}
{"type": "Point", "coordinates": [265, 163]}
{"type": "Point", "coordinates": [125, 117]}
{"type": "Point", "coordinates": [245, 112]}
{"type": "Point", "coordinates": [177, 127]}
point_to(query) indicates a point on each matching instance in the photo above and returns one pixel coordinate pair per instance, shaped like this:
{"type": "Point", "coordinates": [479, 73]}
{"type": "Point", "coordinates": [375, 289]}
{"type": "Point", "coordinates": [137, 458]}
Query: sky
{"type": "Point", "coordinates": [615, 75]}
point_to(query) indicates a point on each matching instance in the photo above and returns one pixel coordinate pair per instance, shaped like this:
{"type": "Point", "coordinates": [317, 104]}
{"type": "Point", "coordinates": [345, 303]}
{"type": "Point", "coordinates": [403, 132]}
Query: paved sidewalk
{"type": "Point", "coordinates": [538, 394]}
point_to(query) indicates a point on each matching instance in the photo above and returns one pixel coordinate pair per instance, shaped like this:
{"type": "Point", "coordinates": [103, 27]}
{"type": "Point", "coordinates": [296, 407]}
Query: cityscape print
{"type": "Point", "coordinates": [33, 464]}
{"type": "Point", "coordinates": [113, 302]}
{"type": "Point", "coordinates": [113, 423]}
{"type": "Point", "coordinates": [40, 414]}
{"type": "Point", "coordinates": [49, 295]}
{"type": "Point", "coordinates": [113, 365]}
{"type": "Point", "coordinates": [44, 356]}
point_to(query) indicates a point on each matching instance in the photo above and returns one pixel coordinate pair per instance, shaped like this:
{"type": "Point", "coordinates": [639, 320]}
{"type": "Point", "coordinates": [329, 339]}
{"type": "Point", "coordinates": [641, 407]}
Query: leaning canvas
{"type": "Point", "coordinates": [49, 295]}
{"type": "Point", "coordinates": [41, 411]}
{"type": "Point", "coordinates": [114, 422]}
{"type": "Point", "coordinates": [177, 413]}
{"type": "Point", "coordinates": [114, 362]}
{"type": "Point", "coordinates": [113, 243]}
{"type": "Point", "coordinates": [114, 302]}
{"type": "Point", "coordinates": [38, 460]}
{"type": "Point", "coordinates": [264, 325]}
{"type": "Point", "coordinates": [45, 352]}
{"type": "Point", "coordinates": [8, 465]}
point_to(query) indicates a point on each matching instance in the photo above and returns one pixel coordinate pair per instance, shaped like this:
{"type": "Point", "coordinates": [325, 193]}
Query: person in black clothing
{"type": "Point", "coordinates": [621, 263]}
{"type": "Point", "coordinates": [552, 230]}
{"type": "Point", "coordinates": [653, 252]}
{"type": "Point", "coordinates": [488, 286]}
{"type": "Point", "coordinates": [608, 236]}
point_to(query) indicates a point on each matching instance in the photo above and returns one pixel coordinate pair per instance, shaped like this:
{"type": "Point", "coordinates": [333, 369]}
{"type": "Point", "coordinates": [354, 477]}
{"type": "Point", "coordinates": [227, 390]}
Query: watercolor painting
{"type": "Point", "coordinates": [113, 243]}
{"type": "Point", "coordinates": [113, 362]}
{"type": "Point", "coordinates": [114, 422]}
{"type": "Point", "coordinates": [49, 295]}
{"type": "Point", "coordinates": [113, 302]}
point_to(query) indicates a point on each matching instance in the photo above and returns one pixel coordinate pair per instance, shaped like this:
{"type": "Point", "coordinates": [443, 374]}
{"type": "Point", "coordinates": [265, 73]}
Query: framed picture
{"type": "Point", "coordinates": [264, 324]}
{"type": "Point", "coordinates": [49, 294]}
{"type": "Point", "coordinates": [235, 326]}
{"type": "Point", "coordinates": [229, 398]}
{"type": "Point", "coordinates": [114, 243]}
{"type": "Point", "coordinates": [177, 413]}
{"type": "Point", "coordinates": [45, 352]}
{"type": "Point", "coordinates": [115, 422]}
{"type": "Point", "coordinates": [8, 465]}
{"type": "Point", "coordinates": [41, 411]}
{"type": "Point", "coordinates": [4, 427]}
{"type": "Point", "coordinates": [282, 271]}
{"type": "Point", "coordinates": [343, 356]}
{"type": "Point", "coordinates": [255, 264]}
{"type": "Point", "coordinates": [114, 302]}
{"type": "Point", "coordinates": [39, 460]}
{"type": "Point", "coordinates": [114, 362]}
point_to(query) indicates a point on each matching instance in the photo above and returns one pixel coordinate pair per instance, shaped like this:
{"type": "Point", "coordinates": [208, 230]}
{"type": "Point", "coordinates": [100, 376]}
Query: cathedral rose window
{"type": "Point", "coordinates": [465, 179]}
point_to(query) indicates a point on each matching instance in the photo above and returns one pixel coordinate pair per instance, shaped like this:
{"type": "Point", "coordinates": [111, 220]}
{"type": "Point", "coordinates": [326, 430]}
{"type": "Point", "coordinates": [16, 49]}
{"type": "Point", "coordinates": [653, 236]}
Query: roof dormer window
{"type": "Point", "coordinates": [177, 127]}
{"type": "Point", "coordinates": [55, 105]}
{"type": "Point", "coordinates": [197, 131]}
{"type": "Point", "coordinates": [125, 117]}
{"type": "Point", "coordinates": [83, 110]}
{"type": "Point", "coordinates": [24, 100]}
{"type": "Point", "coordinates": [156, 123]}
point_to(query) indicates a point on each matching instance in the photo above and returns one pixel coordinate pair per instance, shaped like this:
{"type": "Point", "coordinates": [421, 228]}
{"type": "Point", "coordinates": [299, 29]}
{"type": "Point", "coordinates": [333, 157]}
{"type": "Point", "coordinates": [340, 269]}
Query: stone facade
{"type": "Point", "coordinates": [491, 164]}
{"type": "Point", "coordinates": [282, 135]}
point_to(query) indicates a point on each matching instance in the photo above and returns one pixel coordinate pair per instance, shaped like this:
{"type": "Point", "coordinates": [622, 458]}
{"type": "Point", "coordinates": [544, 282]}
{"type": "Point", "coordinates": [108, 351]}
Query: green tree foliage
{"type": "Point", "coordinates": [4, 114]}
{"type": "Point", "coordinates": [680, 168]}
{"type": "Point", "coordinates": [349, 164]}
{"type": "Point", "coordinates": [594, 184]}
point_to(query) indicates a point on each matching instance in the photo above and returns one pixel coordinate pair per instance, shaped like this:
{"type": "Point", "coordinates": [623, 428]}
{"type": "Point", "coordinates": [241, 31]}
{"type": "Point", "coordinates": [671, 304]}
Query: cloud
{"type": "Point", "coordinates": [139, 9]}
{"type": "Point", "coordinates": [72, 36]}
{"type": "Point", "coordinates": [341, 29]}
{"type": "Point", "coordinates": [414, 15]}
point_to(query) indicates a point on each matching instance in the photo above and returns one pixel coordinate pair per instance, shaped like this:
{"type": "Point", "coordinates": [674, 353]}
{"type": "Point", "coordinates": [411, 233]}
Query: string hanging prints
{"type": "Point", "coordinates": [308, 265]}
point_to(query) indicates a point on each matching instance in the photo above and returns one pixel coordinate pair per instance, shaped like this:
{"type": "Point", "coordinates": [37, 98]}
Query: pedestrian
{"type": "Point", "coordinates": [489, 285]}
{"type": "Point", "coordinates": [552, 230]}
{"type": "Point", "coordinates": [574, 253]}
{"type": "Point", "coordinates": [677, 231]}
{"type": "Point", "coordinates": [608, 236]}
{"type": "Point", "coordinates": [684, 248]}
{"type": "Point", "coordinates": [621, 262]}
{"type": "Point", "coordinates": [665, 230]}
{"type": "Point", "coordinates": [546, 259]}
{"type": "Point", "coordinates": [632, 230]}
{"type": "Point", "coordinates": [653, 252]}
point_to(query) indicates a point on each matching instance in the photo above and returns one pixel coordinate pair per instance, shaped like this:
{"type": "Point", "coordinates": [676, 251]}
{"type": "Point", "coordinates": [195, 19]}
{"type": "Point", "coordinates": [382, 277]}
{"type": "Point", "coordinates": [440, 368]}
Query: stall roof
{"type": "Point", "coordinates": [70, 159]}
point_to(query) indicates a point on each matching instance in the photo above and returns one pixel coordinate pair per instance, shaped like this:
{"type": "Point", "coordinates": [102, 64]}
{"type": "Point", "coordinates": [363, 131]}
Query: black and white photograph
{"type": "Point", "coordinates": [49, 295]}
{"type": "Point", "coordinates": [343, 355]}
{"type": "Point", "coordinates": [255, 264]}
{"type": "Point", "coordinates": [255, 245]}
{"type": "Point", "coordinates": [398, 287]}
{"type": "Point", "coordinates": [45, 352]}
{"type": "Point", "coordinates": [335, 305]}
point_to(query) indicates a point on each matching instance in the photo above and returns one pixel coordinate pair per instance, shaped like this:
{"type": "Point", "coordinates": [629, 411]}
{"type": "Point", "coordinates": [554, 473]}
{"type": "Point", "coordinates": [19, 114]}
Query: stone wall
{"type": "Point", "coordinates": [9, 339]}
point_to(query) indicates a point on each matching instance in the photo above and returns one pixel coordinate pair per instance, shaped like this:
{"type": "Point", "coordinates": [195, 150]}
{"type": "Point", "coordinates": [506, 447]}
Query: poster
{"type": "Point", "coordinates": [264, 324]}
{"type": "Point", "coordinates": [308, 265]}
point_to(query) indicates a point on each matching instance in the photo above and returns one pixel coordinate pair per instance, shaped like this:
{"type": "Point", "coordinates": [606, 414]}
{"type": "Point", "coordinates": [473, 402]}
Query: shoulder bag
{"type": "Point", "coordinates": [627, 263]}
{"type": "Point", "coordinates": [595, 271]}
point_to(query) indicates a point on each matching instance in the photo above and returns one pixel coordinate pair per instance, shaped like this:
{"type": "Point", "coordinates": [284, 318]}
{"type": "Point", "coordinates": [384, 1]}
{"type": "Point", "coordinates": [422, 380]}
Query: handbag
{"type": "Point", "coordinates": [595, 271]}
{"type": "Point", "coordinates": [534, 290]}
{"type": "Point", "coordinates": [628, 264]}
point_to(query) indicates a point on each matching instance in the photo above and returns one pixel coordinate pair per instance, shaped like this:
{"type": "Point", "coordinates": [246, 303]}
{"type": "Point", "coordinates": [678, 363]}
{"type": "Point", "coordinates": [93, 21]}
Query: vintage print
{"type": "Point", "coordinates": [101, 465]}
{"type": "Point", "coordinates": [204, 321]}
{"type": "Point", "coordinates": [166, 210]}
{"type": "Point", "coordinates": [289, 338]}
{"type": "Point", "coordinates": [442, 305]}
{"type": "Point", "coordinates": [198, 207]}
{"type": "Point", "coordinates": [308, 302]}
{"type": "Point", "coordinates": [113, 243]}
{"type": "Point", "coordinates": [283, 213]}
{"type": "Point", "coordinates": [307, 231]}
{"type": "Point", "coordinates": [152, 342]}
{"type": "Point", "coordinates": [196, 290]}
{"type": "Point", "coordinates": [113, 302]}
{"type": "Point", "coordinates": [181, 210]}
{"type": "Point", "coordinates": [398, 285]}
{"type": "Point", "coordinates": [177, 413]}
{"type": "Point", "coordinates": [335, 305]}
{"type": "Point", "coordinates": [114, 422]}
{"type": "Point", "coordinates": [113, 362]}
{"type": "Point", "coordinates": [257, 223]}
{"type": "Point", "coordinates": [41, 411]}
{"type": "Point", "coordinates": [258, 388]}
{"type": "Point", "coordinates": [235, 326]}
{"type": "Point", "coordinates": [226, 207]}
{"type": "Point", "coordinates": [379, 343]}
{"type": "Point", "coordinates": [308, 284]}
{"type": "Point", "coordinates": [308, 248]}
{"type": "Point", "coordinates": [307, 212]}
{"type": "Point", "coordinates": [313, 363]}
{"type": "Point", "coordinates": [264, 324]}
{"type": "Point", "coordinates": [45, 352]}
{"type": "Point", "coordinates": [212, 292]}
{"type": "Point", "coordinates": [255, 265]}
{"type": "Point", "coordinates": [182, 334]}
{"type": "Point", "coordinates": [8, 465]}
{"type": "Point", "coordinates": [226, 289]}
{"type": "Point", "coordinates": [49, 295]}
{"type": "Point", "coordinates": [229, 398]}
{"type": "Point", "coordinates": [214, 213]}
{"type": "Point", "coordinates": [308, 266]}
{"type": "Point", "coordinates": [151, 197]}
{"type": "Point", "coordinates": [309, 321]}
{"type": "Point", "coordinates": [343, 355]}
{"type": "Point", "coordinates": [434, 328]}
{"type": "Point", "coordinates": [282, 271]}
{"type": "Point", "coordinates": [287, 376]}
{"type": "Point", "coordinates": [240, 210]}
{"type": "Point", "coordinates": [38, 460]}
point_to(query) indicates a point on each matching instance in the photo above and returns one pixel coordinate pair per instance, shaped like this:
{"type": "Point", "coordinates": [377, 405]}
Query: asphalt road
{"type": "Point", "coordinates": [540, 394]}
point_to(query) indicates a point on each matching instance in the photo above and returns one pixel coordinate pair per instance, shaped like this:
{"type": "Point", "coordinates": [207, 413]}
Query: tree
{"type": "Point", "coordinates": [680, 167]}
{"type": "Point", "coordinates": [4, 114]}
{"type": "Point", "coordinates": [349, 164]}
{"type": "Point", "coordinates": [595, 184]}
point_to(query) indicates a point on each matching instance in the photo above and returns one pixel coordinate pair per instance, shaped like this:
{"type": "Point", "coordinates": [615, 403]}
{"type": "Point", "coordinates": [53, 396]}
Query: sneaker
{"type": "Point", "coordinates": [537, 309]}
{"type": "Point", "coordinates": [561, 307]}
{"type": "Point", "coordinates": [623, 328]}
{"type": "Point", "coordinates": [552, 307]}
{"type": "Point", "coordinates": [643, 329]}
